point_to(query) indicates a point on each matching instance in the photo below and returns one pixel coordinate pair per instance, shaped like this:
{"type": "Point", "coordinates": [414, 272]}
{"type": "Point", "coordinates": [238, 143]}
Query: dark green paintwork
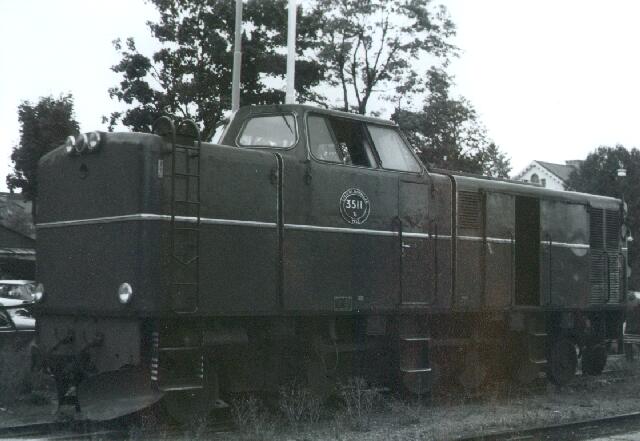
{"type": "Point", "coordinates": [283, 269]}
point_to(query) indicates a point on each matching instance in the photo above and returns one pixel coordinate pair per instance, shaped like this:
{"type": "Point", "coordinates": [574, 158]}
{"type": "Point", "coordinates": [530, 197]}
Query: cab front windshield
{"type": "Point", "coordinates": [277, 131]}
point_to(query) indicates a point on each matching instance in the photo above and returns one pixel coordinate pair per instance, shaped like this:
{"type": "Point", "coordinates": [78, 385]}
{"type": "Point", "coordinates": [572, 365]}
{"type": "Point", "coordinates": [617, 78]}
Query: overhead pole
{"type": "Point", "coordinates": [237, 59]}
{"type": "Point", "coordinates": [290, 96]}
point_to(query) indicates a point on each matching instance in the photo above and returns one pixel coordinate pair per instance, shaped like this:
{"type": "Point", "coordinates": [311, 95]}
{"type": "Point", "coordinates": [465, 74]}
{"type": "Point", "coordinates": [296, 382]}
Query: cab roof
{"type": "Point", "coordinates": [302, 109]}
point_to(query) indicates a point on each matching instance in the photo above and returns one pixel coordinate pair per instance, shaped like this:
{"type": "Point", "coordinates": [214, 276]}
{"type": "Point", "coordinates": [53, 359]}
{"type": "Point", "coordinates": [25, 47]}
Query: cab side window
{"type": "Point", "coordinates": [340, 140]}
{"type": "Point", "coordinates": [393, 151]}
{"type": "Point", "coordinates": [352, 142]}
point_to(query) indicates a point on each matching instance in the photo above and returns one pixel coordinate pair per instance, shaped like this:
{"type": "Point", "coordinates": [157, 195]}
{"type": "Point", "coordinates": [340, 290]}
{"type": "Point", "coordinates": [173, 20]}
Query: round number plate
{"type": "Point", "coordinates": [354, 206]}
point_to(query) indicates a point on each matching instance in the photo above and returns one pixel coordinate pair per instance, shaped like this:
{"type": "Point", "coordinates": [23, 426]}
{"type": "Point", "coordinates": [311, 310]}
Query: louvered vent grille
{"type": "Point", "coordinates": [597, 277]}
{"type": "Point", "coordinates": [596, 234]}
{"type": "Point", "coordinates": [606, 268]}
{"type": "Point", "coordinates": [469, 210]}
{"type": "Point", "coordinates": [615, 279]}
{"type": "Point", "coordinates": [612, 229]}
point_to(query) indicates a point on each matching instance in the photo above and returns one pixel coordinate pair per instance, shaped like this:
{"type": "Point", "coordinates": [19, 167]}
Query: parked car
{"type": "Point", "coordinates": [632, 317]}
{"type": "Point", "coordinates": [632, 322]}
{"type": "Point", "coordinates": [17, 325]}
{"type": "Point", "coordinates": [17, 314]}
{"type": "Point", "coordinates": [17, 289]}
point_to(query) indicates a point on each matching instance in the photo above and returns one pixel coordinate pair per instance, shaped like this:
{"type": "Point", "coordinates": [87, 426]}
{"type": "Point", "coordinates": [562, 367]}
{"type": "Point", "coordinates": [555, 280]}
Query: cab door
{"type": "Point", "coordinates": [341, 248]}
{"type": "Point", "coordinates": [417, 251]}
{"type": "Point", "coordinates": [419, 272]}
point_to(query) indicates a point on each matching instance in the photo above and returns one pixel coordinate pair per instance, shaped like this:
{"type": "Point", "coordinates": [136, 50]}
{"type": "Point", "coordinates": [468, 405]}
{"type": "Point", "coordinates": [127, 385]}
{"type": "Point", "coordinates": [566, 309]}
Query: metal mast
{"type": "Point", "coordinates": [237, 59]}
{"type": "Point", "coordinates": [290, 97]}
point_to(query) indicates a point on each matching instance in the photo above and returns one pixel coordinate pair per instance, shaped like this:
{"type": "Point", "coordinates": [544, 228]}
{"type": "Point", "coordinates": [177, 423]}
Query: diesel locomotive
{"type": "Point", "coordinates": [308, 244]}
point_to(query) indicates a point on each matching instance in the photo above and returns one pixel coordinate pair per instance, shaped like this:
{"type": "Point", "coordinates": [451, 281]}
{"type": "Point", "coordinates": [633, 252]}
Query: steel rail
{"type": "Point", "coordinates": [547, 431]}
{"type": "Point", "coordinates": [119, 428]}
{"type": "Point", "coordinates": [52, 428]}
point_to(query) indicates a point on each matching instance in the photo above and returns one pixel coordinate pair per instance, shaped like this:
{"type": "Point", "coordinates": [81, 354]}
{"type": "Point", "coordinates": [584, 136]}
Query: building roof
{"type": "Point", "coordinates": [15, 214]}
{"type": "Point", "coordinates": [560, 170]}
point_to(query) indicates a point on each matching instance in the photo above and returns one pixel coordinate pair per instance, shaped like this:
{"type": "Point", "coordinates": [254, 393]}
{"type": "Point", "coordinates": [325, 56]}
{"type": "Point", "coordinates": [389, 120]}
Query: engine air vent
{"type": "Point", "coordinates": [615, 278]}
{"type": "Point", "coordinates": [596, 230]}
{"type": "Point", "coordinates": [597, 277]}
{"type": "Point", "coordinates": [612, 229]}
{"type": "Point", "coordinates": [469, 210]}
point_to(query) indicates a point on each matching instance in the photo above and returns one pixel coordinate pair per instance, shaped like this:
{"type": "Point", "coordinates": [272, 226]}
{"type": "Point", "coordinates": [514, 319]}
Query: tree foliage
{"type": "Point", "coordinates": [358, 48]}
{"type": "Point", "coordinates": [43, 127]}
{"type": "Point", "coordinates": [448, 134]}
{"type": "Point", "coordinates": [190, 76]}
{"type": "Point", "coordinates": [598, 174]}
{"type": "Point", "coordinates": [368, 46]}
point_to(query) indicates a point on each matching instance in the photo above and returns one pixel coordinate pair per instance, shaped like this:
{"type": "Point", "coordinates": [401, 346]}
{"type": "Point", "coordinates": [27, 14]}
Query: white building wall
{"type": "Point", "coordinates": [545, 177]}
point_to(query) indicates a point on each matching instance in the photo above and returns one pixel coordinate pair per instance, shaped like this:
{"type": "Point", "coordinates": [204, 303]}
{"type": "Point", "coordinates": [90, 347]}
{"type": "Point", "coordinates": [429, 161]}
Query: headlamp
{"type": "Point", "coordinates": [125, 292]}
{"type": "Point", "coordinates": [69, 144]}
{"type": "Point", "coordinates": [81, 143]}
{"type": "Point", "coordinates": [93, 141]}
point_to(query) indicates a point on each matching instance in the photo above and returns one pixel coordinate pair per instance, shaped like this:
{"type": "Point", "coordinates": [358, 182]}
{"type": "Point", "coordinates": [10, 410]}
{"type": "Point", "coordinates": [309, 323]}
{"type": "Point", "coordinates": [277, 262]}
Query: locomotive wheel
{"type": "Point", "coordinates": [562, 362]}
{"type": "Point", "coordinates": [594, 359]}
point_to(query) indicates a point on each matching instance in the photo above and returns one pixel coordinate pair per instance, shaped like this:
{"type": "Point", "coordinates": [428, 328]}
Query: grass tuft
{"type": "Point", "coordinates": [359, 403]}
{"type": "Point", "coordinates": [252, 418]}
{"type": "Point", "coordinates": [299, 405]}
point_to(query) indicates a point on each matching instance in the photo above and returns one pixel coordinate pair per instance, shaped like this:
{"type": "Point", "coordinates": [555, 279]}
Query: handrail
{"type": "Point", "coordinates": [187, 128]}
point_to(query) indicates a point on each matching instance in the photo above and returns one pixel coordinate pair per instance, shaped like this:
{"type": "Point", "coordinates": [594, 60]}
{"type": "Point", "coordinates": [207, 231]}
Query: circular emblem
{"type": "Point", "coordinates": [354, 206]}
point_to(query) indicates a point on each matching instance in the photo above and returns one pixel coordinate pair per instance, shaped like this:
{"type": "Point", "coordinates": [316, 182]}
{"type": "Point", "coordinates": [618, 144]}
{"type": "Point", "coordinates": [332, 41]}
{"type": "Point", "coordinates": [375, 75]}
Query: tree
{"type": "Point", "coordinates": [447, 133]}
{"type": "Point", "coordinates": [43, 127]}
{"type": "Point", "coordinates": [190, 76]}
{"type": "Point", "coordinates": [598, 174]}
{"type": "Point", "coordinates": [367, 46]}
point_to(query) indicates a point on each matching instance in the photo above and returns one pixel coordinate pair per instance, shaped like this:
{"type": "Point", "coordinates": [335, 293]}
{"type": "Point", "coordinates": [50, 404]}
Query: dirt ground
{"type": "Point", "coordinates": [366, 415]}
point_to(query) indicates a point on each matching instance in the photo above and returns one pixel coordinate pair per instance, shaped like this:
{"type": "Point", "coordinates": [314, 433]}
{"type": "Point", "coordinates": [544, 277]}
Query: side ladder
{"type": "Point", "coordinates": [537, 341]}
{"type": "Point", "coordinates": [184, 239]}
{"type": "Point", "coordinates": [175, 364]}
{"type": "Point", "coordinates": [414, 358]}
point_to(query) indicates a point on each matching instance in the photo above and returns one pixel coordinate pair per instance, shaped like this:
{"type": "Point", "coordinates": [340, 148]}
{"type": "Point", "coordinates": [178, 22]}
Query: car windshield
{"type": "Point", "coordinates": [16, 291]}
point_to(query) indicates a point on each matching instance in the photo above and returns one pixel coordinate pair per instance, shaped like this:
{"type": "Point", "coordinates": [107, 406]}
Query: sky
{"type": "Point", "coordinates": [550, 80]}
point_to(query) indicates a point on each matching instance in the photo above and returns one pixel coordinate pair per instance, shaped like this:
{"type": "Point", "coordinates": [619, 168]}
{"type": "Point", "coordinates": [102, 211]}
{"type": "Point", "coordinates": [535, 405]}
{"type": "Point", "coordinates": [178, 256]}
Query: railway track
{"type": "Point", "coordinates": [58, 431]}
{"type": "Point", "coordinates": [118, 429]}
{"type": "Point", "coordinates": [123, 428]}
{"type": "Point", "coordinates": [575, 430]}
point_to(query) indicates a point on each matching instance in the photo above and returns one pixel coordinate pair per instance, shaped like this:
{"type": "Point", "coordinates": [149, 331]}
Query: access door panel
{"type": "Point", "coordinates": [419, 271]}
{"type": "Point", "coordinates": [341, 249]}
